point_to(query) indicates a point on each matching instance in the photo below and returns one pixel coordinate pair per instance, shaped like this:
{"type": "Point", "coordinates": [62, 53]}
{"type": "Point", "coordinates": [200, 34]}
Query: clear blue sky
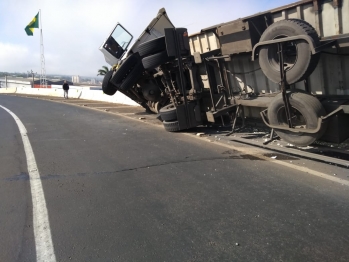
{"type": "Point", "coordinates": [74, 30]}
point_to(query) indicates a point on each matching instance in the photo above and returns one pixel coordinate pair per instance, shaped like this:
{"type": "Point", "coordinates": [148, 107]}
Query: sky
{"type": "Point", "coordinates": [73, 30]}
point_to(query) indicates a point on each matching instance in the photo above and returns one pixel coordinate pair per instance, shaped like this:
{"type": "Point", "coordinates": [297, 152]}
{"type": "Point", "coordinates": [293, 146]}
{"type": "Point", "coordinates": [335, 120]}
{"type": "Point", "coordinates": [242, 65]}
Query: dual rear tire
{"type": "Point", "coordinates": [305, 112]}
{"type": "Point", "coordinates": [299, 63]}
{"type": "Point", "coordinates": [125, 77]}
{"type": "Point", "coordinates": [154, 53]}
{"type": "Point", "coordinates": [168, 115]}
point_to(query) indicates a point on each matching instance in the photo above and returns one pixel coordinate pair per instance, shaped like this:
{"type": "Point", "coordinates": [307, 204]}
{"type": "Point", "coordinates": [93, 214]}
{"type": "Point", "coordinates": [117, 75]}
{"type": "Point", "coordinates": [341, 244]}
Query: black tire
{"type": "Point", "coordinates": [300, 59]}
{"type": "Point", "coordinates": [152, 47]}
{"type": "Point", "coordinates": [125, 69]}
{"type": "Point", "coordinates": [132, 77]}
{"type": "Point", "coordinates": [107, 87]}
{"type": "Point", "coordinates": [171, 126]}
{"type": "Point", "coordinates": [152, 61]}
{"type": "Point", "coordinates": [168, 113]}
{"type": "Point", "coordinates": [307, 108]}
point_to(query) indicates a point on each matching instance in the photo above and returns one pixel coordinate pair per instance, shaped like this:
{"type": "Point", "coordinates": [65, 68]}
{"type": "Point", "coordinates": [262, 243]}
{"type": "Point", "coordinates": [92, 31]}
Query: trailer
{"type": "Point", "coordinates": [288, 67]}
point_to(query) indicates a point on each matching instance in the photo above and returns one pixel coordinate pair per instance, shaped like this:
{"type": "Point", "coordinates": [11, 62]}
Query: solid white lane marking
{"type": "Point", "coordinates": [41, 225]}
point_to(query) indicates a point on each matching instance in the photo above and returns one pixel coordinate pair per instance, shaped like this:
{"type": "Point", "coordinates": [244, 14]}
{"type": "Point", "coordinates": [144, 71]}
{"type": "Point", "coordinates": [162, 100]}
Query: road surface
{"type": "Point", "coordinates": [120, 190]}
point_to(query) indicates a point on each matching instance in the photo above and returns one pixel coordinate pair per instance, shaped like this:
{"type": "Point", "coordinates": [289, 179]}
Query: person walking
{"type": "Point", "coordinates": [65, 88]}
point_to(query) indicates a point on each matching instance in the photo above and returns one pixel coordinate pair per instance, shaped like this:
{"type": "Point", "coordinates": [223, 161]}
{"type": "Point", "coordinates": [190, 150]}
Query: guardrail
{"type": "Point", "coordinates": [96, 95]}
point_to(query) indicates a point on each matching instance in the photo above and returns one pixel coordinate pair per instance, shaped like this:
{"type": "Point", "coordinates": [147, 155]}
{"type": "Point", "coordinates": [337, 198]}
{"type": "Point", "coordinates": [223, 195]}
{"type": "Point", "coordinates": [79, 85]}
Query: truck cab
{"type": "Point", "coordinates": [115, 46]}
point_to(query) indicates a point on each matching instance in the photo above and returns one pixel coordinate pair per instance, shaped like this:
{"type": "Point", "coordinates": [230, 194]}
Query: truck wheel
{"type": "Point", "coordinates": [299, 61]}
{"type": "Point", "coordinates": [132, 77]}
{"type": "Point", "coordinates": [152, 61]}
{"type": "Point", "coordinates": [168, 113]}
{"type": "Point", "coordinates": [152, 47]}
{"type": "Point", "coordinates": [172, 126]}
{"type": "Point", "coordinates": [305, 110]}
{"type": "Point", "coordinates": [107, 87]}
{"type": "Point", "coordinates": [125, 69]}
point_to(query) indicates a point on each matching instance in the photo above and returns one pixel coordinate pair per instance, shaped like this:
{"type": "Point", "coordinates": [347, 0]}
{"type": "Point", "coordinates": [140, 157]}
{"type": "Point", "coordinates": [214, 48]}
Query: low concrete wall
{"type": "Point", "coordinates": [70, 87]}
{"type": "Point", "coordinates": [8, 90]}
{"type": "Point", "coordinates": [98, 95]}
{"type": "Point", "coordinates": [82, 93]}
{"type": "Point", "coordinates": [48, 92]}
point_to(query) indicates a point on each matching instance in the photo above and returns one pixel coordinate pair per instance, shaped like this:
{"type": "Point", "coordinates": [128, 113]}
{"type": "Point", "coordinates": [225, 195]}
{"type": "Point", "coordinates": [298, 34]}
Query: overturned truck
{"type": "Point", "coordinates": [288, 67]}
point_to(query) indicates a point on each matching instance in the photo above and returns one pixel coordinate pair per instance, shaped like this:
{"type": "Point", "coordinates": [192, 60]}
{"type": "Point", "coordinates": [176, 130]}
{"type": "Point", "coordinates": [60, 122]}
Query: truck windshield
{"type": "Point", "coordinates": [118, 41]}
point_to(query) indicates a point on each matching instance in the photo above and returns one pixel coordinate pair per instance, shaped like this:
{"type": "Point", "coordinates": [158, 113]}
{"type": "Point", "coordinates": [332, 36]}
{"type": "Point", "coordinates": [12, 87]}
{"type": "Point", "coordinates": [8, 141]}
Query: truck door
{"type": "Point", "coordinates": [115, 46]}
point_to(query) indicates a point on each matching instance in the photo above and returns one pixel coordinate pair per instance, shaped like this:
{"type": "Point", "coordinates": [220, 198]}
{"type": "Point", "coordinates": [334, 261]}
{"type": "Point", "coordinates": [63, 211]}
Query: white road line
{"type": "Point", "coordinates": [41, 225]}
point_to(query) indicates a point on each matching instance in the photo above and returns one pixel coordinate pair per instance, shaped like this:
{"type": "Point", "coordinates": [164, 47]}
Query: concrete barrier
{"type": "Point", "coordinates": [70, 87]}
{"type": "Point", "coordinates": [24, 90]}
{"type": "Point", "coordinates": [34, 91]}
{"type": "Point", "coordinates": [74, 93]}
{"type": "Point", "coordinates": [122, 99]}
{"type": "Point", "coordinates": [8, 90]}
{"type": "Point", "coordinates": [96, 95]}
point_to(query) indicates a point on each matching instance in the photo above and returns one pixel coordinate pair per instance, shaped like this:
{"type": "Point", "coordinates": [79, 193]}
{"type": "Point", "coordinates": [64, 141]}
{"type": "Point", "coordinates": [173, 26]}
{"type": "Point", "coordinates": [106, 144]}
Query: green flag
{"type": "Point", "coordinates": [29, 29]}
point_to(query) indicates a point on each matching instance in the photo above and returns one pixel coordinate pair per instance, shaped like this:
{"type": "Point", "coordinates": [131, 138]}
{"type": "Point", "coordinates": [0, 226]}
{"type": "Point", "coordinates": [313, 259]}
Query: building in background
{"type": "Point", "coordinates": [93, 81]}
{"type": "Point", "coordinates": [75, 79]}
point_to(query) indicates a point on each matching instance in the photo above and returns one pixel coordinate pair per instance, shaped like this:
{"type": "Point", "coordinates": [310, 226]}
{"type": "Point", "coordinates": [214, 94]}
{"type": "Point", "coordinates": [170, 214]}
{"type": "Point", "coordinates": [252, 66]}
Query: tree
{"type": "Point", "coordinates": [103, 71]}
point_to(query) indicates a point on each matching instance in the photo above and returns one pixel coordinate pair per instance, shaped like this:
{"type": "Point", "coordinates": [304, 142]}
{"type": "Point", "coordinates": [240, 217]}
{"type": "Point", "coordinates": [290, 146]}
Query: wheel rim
{"type": "Point", "coordinates": [290, 55]}
{"type": "Point", "coordinates": [298, 120]}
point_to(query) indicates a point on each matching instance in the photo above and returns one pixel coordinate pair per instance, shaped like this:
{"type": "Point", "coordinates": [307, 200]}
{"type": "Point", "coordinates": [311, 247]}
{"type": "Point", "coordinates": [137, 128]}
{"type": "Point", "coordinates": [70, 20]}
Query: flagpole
{"type": "Point", "coordinates": [43, 81]}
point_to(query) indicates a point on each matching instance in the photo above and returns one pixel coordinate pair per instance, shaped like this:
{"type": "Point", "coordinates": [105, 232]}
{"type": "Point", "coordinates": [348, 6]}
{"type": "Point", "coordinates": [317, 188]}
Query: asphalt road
{"type": "Point", "coordinates": [120, 190]}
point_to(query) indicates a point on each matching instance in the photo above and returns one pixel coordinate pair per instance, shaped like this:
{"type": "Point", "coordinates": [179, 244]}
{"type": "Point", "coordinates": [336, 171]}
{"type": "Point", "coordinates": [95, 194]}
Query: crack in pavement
{"type": "Point", "coordinates": [24, 176]}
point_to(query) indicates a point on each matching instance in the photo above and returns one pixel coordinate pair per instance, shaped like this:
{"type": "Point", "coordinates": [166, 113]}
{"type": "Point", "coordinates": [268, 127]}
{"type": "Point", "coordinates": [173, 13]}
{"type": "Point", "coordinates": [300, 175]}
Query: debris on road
{"type": "Point", "coordinates": [200, 134]}
{"type": "Point", "coordinates": [141, 118]}
{"type": "Point", "coordinates": [274, 157]}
